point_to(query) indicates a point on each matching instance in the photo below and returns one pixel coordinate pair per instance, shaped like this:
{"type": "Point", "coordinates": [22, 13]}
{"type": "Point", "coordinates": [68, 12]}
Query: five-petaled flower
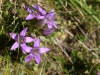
{"type": "Point", "coordinates": [21, 41]}
{"type": "Point", "coordinates": [36, 51]}
{"type": "Point", "coordinates": [47, 18]}
{"type": "Point", "coordinates": [41, 15]}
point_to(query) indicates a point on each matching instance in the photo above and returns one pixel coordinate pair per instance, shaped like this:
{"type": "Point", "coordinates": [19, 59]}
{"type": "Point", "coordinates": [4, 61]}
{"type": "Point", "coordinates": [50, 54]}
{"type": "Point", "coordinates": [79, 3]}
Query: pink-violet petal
{"type": "Point", "coordinates": [54, 24]}
{"type": "Point", "coordinates": [37, 43]}
{"type": "Point", "coordinates": [14, 46]}
{"type": "Point", "coordinates": [49, 24]}
{"type": "Point", "coordinates": [39, 9]}
{"type": "Point", "coordinates": [28, 58]}
{"type": "Point", "coordinates": [23, 32]}
{"type": "Point", "coordinates": [39, 17]}
{"type": "Point", "coordinates": [28, 39]}
{"type": "Point", "coordinates": [37, 58]}
{"type": "Point", "coordinates": [51, 16]}
{"type": "Point", "coordinates": [26, 48]}
{"type": "Point", "coordinates": [43, 50]}
{"type": "Point", "coordinates": [14, 36]}
{"type": "Point", "coordinates": [30, 17]}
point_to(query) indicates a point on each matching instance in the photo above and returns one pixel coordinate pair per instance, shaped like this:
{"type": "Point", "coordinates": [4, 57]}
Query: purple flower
{"type": "Point", "coordinates": [31, 13]}
{"type": "Point", "coordinates": [36, 51]}
{"type": "Point", "coordinates": [47, 31]}
{"type": "Point", "coordinates": [41, 13]}
{"type": "Point", "coordinates": [47, 18]}
{"type": "Point", "coordinates": [42, 16]}
{"type": "Point", "coordinates": [21, 41]}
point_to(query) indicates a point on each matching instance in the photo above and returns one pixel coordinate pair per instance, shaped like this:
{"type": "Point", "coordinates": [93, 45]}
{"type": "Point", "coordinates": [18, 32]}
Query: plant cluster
{"type": "Point", "coordinates": [43, 18]}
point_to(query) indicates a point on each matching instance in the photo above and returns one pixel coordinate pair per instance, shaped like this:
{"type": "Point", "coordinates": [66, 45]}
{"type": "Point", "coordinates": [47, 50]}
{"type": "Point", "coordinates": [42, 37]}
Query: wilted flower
{"type": "Point", "coordinates": [36, 51]}
{"type": "Point", "coordinates": [21, 41]}
{"type": "Point", "coordinates": [47, 31]}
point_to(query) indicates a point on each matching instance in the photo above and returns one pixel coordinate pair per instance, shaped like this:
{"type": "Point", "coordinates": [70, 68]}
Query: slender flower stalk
{"type": "Point", "coordinates": [21, 41]}
{"type": "Point", "coordinates": [36, 51]}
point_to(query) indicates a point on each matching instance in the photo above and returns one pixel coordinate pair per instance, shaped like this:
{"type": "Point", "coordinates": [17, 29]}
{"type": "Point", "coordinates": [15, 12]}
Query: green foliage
{"type": "Point", "coordinates": [75, 45]}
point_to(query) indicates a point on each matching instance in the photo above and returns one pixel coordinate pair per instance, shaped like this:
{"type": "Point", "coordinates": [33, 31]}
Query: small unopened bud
{"type": "Point", "coordinates": [47, 31]}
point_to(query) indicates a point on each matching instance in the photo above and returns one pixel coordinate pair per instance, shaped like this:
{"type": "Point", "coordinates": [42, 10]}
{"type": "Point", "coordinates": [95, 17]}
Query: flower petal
{"type": "Point", "coordinates": [24, 52]}
{"type": "Point", "coordinates": [53, 23]}
{"type": "Point", "coordinates": [28, 39]}
{"type": "Point", "coordinates": [37, 58]}
{"type": "Point", "coordinates": [14, 46]}
{"type": "Point", "coordinates": [26, 49]}
{"type": "Point", "coordinates": [43, 50]}
{"type": "Point", "coordinates": [49, 24]}
{"type": "Point", "coordinates": [23, 44]}
{"type": "Point", "coordinates": [30, 17]}
{"type": "Point", "coordinates": [23, 32]}
{"type": "Point", "coordinates": [37, 43]}
{"type": "Point", "coordinates": [28, 58]}
{"type": "Point", "coordinates": [28, 9]}
{"type": "Point", "coordinates": [14, 36]}
{"type": "Point", "coordinates": [51, 16]}
{"type": "Point", "coordinates": [39, 17]}
{"type": "Point", "coordinates": [39, 9]}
